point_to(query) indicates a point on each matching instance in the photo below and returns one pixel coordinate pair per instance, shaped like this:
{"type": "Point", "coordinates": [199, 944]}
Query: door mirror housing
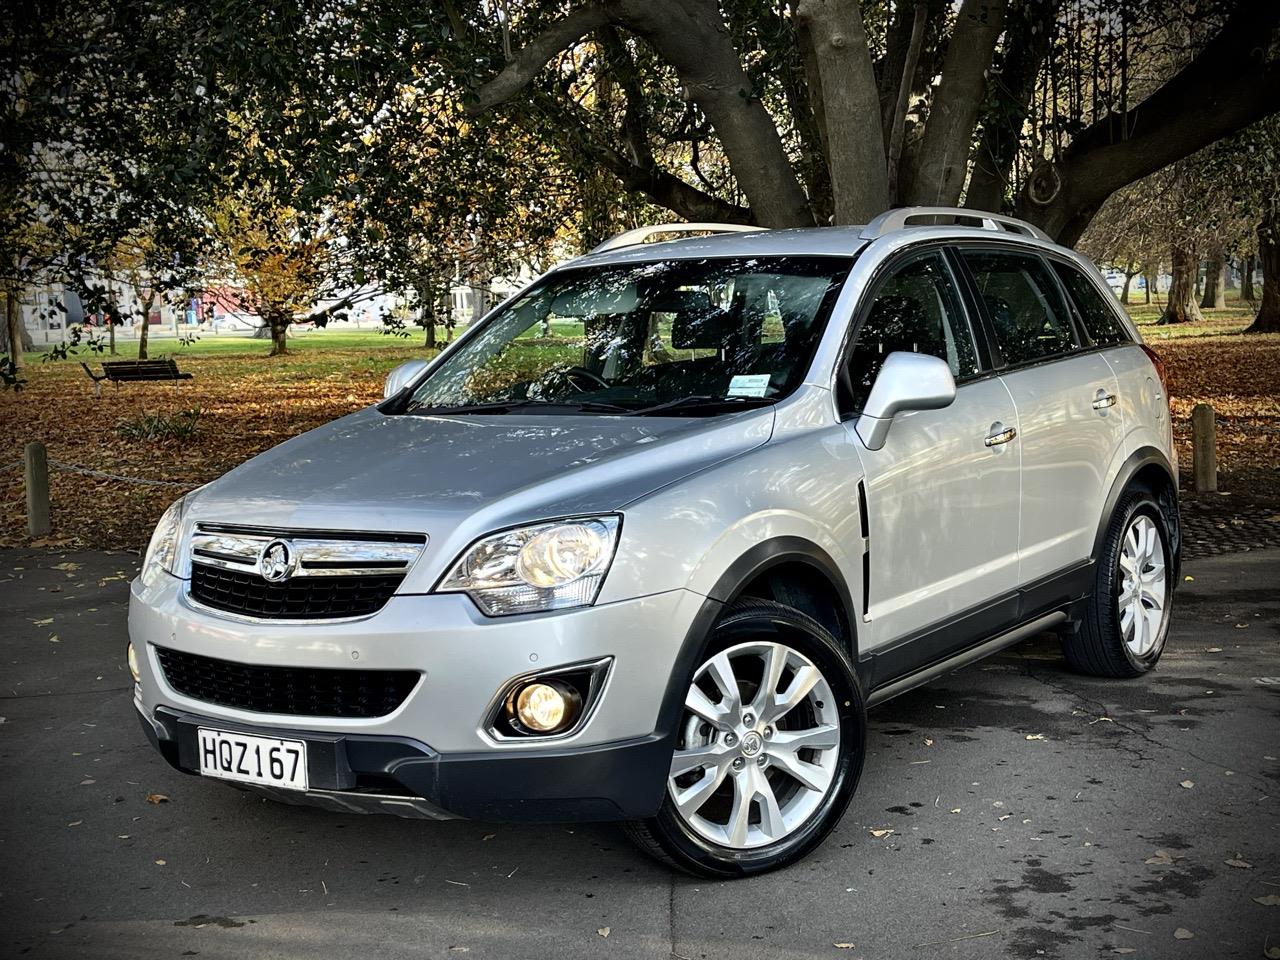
{"type": "Point", "coordinates": [907, 381]}
{"type": "Point", "coordinates": [402, 376]}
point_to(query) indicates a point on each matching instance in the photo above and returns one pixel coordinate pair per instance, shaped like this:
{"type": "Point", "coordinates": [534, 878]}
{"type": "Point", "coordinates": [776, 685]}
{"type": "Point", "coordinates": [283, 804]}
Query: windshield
{"type": "Point", "coordinates": [670, 337]}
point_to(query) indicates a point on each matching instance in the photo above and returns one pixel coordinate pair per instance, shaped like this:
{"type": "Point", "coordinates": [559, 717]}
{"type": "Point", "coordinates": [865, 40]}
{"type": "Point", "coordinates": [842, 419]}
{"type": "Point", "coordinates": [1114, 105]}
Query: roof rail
{"type": "Point", "coordinates": [630, 238]}
{"type": "Point", "coordinates": [892, 220]}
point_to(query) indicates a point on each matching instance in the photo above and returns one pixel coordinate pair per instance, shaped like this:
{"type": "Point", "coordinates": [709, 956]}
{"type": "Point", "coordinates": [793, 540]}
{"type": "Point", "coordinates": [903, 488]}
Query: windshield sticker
{"type": "Point", "coordinates": [749, 385]}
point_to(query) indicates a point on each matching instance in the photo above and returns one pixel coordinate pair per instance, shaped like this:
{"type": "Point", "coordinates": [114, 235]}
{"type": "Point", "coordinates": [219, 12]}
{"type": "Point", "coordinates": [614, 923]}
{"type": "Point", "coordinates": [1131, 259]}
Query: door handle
{"type": "Point", "coordinates": [1004, 436]}
{"type": "Point", "coordinates": [1104, 400]}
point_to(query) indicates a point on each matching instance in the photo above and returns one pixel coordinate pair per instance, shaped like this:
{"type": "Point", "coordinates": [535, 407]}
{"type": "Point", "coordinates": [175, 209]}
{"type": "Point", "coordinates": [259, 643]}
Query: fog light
{"type": "Point", "coordinates": [545, 707]}
{"type": "Point", "coordinates": [132, 657]}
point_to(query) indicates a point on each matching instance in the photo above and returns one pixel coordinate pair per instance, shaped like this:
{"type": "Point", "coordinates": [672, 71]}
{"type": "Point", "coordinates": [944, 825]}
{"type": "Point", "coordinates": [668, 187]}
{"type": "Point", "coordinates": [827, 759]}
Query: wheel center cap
{"type": "Point", "coordinates": [752, 744]}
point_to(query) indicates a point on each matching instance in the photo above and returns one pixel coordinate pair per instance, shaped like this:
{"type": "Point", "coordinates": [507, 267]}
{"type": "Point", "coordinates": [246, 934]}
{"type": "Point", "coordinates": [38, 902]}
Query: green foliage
{"type": "Point", "coordinates": [159, 426]}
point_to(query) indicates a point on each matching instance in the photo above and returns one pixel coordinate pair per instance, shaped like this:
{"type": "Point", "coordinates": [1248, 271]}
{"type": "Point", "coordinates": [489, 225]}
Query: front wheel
{"type": "Point", "coordinates": [1126, 624]}
{"type": "Point", "coordinates": [768, 751]}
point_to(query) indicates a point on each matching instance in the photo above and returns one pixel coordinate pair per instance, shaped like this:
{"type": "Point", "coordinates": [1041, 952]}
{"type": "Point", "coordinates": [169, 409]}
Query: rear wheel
{"type": "Point", "coordinates": [1124, 630]}
{"type": "Point", "coordinates": [768, 750]}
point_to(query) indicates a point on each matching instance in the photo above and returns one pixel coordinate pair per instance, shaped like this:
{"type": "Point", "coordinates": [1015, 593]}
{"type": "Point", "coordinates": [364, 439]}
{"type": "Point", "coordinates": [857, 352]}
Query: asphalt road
{"type": "Point", "coordinates": [1026, 805]}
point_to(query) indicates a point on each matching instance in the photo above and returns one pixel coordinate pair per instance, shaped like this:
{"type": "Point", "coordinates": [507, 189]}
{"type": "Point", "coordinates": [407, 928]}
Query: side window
{"type": "Point", "coordinates": [916, 310]}
{"type": "Point", "coordinates": [1027, 313]}
{"type": "Point", "coordinates": [1100, 320]}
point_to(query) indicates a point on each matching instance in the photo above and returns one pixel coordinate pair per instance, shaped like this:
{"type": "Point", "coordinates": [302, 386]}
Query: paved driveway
{"type": "Point", "coordinates": [1034, 813]}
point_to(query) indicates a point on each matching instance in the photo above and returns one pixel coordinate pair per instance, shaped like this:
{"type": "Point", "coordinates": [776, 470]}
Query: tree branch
{"type": "Point", "coordinates": [1233, 82]}
{"type": "Point", "coordinates": [898, 122]}
{"type": "Point", "coordinates": [937, 176]}
{"type": "Point", "coordinates": [536, 54]}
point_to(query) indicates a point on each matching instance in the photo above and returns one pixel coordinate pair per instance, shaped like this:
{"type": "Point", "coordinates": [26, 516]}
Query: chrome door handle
{"type": "Point", "coordinates": [1104, 400]}
{"type": "Point", "coordinates": [1004, 436]}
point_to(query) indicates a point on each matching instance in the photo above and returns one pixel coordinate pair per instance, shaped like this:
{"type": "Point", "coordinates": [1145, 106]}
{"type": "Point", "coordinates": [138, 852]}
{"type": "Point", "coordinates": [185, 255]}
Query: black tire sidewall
{"type": "Point", "coordinates": [780, 625]}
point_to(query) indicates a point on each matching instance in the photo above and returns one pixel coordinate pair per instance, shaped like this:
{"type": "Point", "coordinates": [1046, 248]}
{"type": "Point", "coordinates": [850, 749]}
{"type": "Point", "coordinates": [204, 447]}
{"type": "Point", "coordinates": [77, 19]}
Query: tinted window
{"type": "Point", "coordinates": [916, 310]}
{"type": "Point", "coordinates": [1100, 320]}
{"type": "Point", "coordinates": [1027, 313]}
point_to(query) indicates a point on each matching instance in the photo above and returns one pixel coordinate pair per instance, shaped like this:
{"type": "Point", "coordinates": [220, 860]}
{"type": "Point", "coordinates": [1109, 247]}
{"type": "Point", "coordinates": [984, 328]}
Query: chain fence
{"type": "Point", "coordinates": [86, 472]}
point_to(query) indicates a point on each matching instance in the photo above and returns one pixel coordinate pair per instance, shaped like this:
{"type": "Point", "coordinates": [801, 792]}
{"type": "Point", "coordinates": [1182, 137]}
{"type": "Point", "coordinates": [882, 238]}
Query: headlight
{"type": "Point", "coordinates": [162, 551]}
{"type": "Point", "coordinates": [547, 566]}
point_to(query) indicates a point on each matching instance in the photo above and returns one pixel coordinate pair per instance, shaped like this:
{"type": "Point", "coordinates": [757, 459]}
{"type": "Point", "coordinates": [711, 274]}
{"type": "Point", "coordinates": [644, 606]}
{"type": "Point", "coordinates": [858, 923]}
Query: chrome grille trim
{"type": "Point", "coordinates": [319, 554]}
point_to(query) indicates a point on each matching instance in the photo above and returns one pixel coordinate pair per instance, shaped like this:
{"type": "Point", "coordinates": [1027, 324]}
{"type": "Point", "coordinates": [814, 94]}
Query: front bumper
{"type": "Point", "coordinates": [433, 756]}
{"type": "Point", "coordinates": [352, 773]}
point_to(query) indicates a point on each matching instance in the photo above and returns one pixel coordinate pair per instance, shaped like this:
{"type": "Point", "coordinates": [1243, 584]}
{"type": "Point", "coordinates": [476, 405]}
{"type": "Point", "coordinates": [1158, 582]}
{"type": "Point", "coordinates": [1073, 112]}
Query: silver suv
{"type": "Point", "coordinates": [646, 541]}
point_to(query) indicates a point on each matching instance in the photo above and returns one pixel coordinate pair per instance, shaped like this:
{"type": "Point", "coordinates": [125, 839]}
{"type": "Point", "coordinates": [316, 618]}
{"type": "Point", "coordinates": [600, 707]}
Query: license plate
{"type": "Point", "coordinates": [248, 759]}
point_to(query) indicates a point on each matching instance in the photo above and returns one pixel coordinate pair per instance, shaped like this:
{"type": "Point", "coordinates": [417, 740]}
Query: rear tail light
{"type": "Point", "coordinates": [1161, 371]}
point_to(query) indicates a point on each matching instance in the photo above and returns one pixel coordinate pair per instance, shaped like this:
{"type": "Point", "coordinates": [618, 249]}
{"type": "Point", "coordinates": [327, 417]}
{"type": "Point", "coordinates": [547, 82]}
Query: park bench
{"type": "Point", "coordinates": [132, 371]}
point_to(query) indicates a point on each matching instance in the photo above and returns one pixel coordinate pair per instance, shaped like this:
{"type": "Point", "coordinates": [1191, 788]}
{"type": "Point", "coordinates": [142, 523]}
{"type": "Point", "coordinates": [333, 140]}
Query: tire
{"type": "Point", "coordinates": [761, 735]}
{"type": "Point", "coordinates": [1104, 645]}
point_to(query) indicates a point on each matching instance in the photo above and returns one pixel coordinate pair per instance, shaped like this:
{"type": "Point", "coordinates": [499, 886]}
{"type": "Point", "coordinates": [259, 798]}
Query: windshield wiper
{"type": "Point", "coordinates": [506, 406]}
{"type": "Point", "coordinates": [702, 403]}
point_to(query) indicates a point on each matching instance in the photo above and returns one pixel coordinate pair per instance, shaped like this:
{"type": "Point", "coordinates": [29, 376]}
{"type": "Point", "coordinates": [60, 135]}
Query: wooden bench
{"type": "Point", "coordinates": [132, 371]}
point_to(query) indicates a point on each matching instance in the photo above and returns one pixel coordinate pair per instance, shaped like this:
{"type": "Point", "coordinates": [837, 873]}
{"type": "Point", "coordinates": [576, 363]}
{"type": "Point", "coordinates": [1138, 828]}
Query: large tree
{"type": "Point", "coordinates": [812, 133]}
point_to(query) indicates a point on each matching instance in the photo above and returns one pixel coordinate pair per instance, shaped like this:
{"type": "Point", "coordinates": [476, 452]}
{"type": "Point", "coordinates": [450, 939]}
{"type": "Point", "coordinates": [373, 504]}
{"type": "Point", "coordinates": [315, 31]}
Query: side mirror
{"type": "Point", "coordinates": [401, 376]}
{"type": "Point", "coordinates": [907, 381]}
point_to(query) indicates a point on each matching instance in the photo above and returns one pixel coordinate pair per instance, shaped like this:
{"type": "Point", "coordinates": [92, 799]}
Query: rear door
{"type": "Point", "coordinates": [941, 502]}
{"type": "Point", "coordinates": [1067, 420]}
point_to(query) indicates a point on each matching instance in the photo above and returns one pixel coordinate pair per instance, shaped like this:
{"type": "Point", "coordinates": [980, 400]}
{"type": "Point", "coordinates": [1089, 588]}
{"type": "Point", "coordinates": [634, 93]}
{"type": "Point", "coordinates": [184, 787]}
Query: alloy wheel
{"type": "Point", "coordinates": [1142, 600]}
{"type": "Point", "coordinates": [758, 748]}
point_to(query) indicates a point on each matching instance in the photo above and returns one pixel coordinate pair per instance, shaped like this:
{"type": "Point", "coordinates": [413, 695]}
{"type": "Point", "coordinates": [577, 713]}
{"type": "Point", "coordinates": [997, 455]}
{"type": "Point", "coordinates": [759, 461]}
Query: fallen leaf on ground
{"type": "Point", "coordinates": [1035, 736]}
{"type": "Point", "coordinates": [75, 823]}
{"type": "Point", "coordinates": [1182, 933]}
{"type": "Point", "coordinates": [881, 833]}
{"type": "Point", "coordinates": [1271, 953]}
{"type": "Point", "coordinates": [843, 946]}
{"type": "Point", "coordinates": [928, 742]}
{"type": "Point", "coordinates": [1212, 649]}
{"type": "Point", "coordinates": [1270, 900]}
{"type": "Point", "coordinates": [1238, 863]}
{"type": "Point", "coordinates": [1125, 950]}
{"type": "Point", "coordinates": [157, 798]}
{"type": "Point", "coordinates": [603, 931]}
{"type": "Point", "coordinates": [68, 565]}
{"type": "Point", "coordinates": [956, 810]}
{"type": "Point", "coordinates": [1187, 784]}
{"type": "Point", "coordinates": [43, 623]}
{"type": "Point", "coordinates": [161, 863]}
{"type": "Point", "coordinates": [1160, 859]}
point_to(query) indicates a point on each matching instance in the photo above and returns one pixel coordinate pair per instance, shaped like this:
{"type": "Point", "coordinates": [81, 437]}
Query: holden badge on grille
{"type": "Point", "coordinates": [277, 561]}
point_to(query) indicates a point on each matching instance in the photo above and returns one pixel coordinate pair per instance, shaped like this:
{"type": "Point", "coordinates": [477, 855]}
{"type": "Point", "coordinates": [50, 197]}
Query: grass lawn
{"type": "Point", "coordinates": [249, 402]}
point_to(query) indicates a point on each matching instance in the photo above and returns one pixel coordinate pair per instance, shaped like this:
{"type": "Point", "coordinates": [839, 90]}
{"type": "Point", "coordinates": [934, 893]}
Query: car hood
{"type": "Point", "coordinates": [456, 477]}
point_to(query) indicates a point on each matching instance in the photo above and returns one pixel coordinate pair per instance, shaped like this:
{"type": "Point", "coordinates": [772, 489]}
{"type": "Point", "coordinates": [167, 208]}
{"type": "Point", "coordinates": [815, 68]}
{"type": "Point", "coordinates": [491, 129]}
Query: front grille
{"type": "Point", "coordinates": [300, 598]}
{"type": "Point", "coordinates": [297, 691]}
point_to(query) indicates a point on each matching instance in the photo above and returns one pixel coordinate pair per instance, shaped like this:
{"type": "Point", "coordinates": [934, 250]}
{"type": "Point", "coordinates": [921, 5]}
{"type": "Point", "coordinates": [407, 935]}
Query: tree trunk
{"type": "Point", "coordinates": [1215, 288]}
{"type": "Point", "coordinates": [1150, 277]}
{"type": "Point", "coordinates": [1181, 307]}
{"type": "Point", "coordinates": [144, 333]}
{"type": "Point", "coordinates": [1247, 293]}
{"type": "Point", "coordinates": [278, 323]}
{"type": "Point", "coordinates": [834, 32]}
{"type": "Point", "coordinates": [15, 339]}
{"type": "Point", "coordinates": [1268, 318]}
{"type": "Point", "coordinates": [1031, 28]}
{"type": "Point", "coordinates": [1124, 291]}
{"type": "Point", "coordinates": [692, 37]}
{"type": "Point", "coordinates": [1228, 279]}
{"type": "Point", "coordinates": [937, 175]}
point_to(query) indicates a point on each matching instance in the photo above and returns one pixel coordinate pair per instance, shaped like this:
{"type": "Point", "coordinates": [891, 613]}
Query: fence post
{"type": "Point", "coordinates": [36, 475]}
{"type": "Point", "coordinates": [1204, 448]}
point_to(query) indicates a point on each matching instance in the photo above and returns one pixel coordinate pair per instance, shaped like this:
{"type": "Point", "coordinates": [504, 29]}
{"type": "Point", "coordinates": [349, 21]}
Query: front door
{"type": "Point", "coordinates": [942, 493]}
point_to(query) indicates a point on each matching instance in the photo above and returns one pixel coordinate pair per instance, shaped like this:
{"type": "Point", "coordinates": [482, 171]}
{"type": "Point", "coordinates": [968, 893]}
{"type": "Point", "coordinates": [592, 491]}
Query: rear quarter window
{"type": "Point", "coordinates": [1101, 320]}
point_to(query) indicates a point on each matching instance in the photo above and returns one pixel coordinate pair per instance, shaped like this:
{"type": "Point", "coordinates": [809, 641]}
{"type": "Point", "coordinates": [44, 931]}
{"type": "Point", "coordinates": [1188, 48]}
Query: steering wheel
{"type": "Point", "coordinates": [572, 374]}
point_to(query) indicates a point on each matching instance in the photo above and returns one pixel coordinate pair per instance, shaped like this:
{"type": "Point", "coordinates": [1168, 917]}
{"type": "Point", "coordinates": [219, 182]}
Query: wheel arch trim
{"type": "Point", "coordinates": [1141, 458]}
